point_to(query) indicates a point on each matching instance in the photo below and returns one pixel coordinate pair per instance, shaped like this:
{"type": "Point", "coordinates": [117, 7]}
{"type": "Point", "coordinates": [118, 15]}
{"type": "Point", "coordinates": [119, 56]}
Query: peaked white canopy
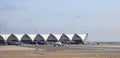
{"type": "Point", "coordinates": [5, 36]}
{"type": "Point", "coordinates": [45, 36]}
{"type": "Point", "coordinates": [58, 36]}
{"type": "Point", "coordinates": [32, 36]}
{"type": "Point", "coordinates": [83, 36]}
{"type": "Point", "coordinates": [70, 36]}
{"type": "Point", "coordinates": [19, 36]}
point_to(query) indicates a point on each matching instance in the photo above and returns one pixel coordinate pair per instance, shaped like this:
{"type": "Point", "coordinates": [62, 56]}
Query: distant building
{"type": "Point", "coordinates": [13, 39]}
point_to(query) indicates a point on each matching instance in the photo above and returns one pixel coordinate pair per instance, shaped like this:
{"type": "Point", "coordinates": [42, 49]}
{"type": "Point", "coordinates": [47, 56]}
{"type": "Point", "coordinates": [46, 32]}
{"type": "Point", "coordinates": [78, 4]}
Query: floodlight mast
{"type": "Point", "coordinates": [85, 30]}
{"type": "Point", "coordinates": [86, 39]}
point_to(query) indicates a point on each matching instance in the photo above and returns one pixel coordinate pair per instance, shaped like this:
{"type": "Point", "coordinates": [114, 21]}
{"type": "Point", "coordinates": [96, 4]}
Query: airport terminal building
{"type": "Point", "coordinates": [42, 39]}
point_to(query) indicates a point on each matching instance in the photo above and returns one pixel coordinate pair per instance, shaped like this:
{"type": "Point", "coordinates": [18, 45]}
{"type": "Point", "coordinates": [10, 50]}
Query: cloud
{"type": "Point", "coordinates": [12, 7]}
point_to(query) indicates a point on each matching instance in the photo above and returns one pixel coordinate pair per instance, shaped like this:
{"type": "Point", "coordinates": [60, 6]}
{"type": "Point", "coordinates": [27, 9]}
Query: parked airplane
{"type": "Point", "coordinates": [59, 44]}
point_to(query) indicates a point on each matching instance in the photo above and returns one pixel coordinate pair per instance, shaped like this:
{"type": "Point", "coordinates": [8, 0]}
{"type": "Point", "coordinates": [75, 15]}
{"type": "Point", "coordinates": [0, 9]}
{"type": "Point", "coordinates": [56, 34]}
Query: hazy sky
{"type": "Point", "coordinates": [99, 18]}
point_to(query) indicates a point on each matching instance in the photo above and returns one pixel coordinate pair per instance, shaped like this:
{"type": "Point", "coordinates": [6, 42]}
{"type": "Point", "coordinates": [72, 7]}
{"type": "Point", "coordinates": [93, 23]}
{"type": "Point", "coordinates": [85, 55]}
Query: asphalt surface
{"type": "Point", "coordinates": [76, 50]}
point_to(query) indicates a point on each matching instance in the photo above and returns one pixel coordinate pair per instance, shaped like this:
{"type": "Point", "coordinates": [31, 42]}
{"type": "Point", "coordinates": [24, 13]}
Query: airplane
{"type": "Point", "coordinates": [59, 44]}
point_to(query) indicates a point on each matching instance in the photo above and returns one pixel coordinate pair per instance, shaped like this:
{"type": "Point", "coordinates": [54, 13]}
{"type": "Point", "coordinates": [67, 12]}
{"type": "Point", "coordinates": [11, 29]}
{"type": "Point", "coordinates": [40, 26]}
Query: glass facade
{"type": "Point", "coordinates": [64, 39]}
{"type": "Point", "coordinates": [2, 41]}
{"type": "Point", "coordinates": [39, 39]}
{"type": "Point", "coordinates": [76, 40]}
{"type": "Point", "coordinates": [12, 40]}
{"type": "Point", "coordinates": [51, 39]}
{"type": "Point", "coordinates": [26, 39]}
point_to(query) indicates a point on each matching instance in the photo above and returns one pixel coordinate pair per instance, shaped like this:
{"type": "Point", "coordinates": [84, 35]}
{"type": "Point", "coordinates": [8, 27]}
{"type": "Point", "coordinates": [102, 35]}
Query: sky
{"type": "Point", "coordinates": [99, 18]}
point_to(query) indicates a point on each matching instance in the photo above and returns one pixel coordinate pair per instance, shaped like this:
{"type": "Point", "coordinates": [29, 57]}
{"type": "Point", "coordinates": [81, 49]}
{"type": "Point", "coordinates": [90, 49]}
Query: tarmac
{"type": "Point", "coordinates": [76, 50]}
